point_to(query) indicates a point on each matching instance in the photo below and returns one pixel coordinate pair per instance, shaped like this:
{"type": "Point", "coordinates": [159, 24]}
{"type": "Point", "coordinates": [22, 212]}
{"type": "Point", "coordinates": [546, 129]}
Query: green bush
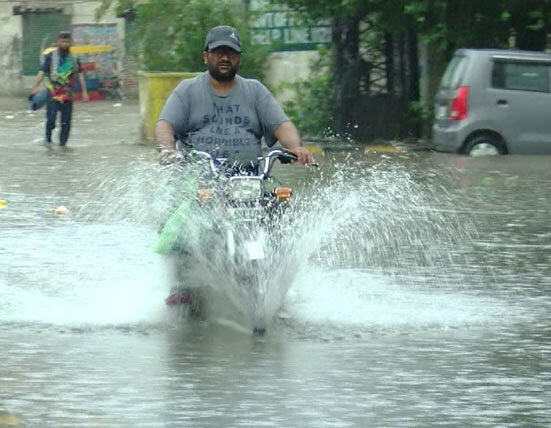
{"type": "Point", "coordinates": [169, 35]}
{"type": "Point", "coordinates": [313, 107]}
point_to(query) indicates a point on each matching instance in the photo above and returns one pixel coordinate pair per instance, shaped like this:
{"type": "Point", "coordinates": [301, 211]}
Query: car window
{"type": "Point", "coordinates": [454, 72]}
{"type": "Point", "coordinates": [524, 76]}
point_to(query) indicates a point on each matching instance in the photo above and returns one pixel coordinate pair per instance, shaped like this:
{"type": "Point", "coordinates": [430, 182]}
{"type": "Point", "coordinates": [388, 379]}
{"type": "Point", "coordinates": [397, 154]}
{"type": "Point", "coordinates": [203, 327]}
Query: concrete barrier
{"type": "Point", "coordinates": [153, 89]}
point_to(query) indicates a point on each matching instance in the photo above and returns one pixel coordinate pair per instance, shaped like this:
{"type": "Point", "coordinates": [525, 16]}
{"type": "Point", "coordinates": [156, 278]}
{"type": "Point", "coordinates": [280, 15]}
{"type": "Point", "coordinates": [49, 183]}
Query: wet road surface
{"type": "Point", "coordinates": [422, 296]}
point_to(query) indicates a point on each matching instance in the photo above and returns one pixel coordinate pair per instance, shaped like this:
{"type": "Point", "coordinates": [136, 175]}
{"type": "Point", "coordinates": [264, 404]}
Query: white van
{"type": "Point", "coordinates": [494, 102]}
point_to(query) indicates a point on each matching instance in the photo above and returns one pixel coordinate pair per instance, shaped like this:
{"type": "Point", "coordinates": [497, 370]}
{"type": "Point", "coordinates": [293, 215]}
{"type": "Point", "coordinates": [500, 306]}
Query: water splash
{"type": "Point", "coordinates": [381, 218]}
{"type": "Point", "coordinates": [84, 274]}
{"type": "Point", "coordinates": [329, 302]}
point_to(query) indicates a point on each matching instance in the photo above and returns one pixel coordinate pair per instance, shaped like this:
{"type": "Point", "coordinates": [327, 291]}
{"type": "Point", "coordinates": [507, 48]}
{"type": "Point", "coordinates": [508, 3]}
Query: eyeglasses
{"type": "Point", "coordinates": [224, 51]}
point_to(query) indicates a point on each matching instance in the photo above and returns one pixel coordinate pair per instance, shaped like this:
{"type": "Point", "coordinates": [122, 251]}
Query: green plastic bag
{"type": "Point", "coordinates": [173, 226]}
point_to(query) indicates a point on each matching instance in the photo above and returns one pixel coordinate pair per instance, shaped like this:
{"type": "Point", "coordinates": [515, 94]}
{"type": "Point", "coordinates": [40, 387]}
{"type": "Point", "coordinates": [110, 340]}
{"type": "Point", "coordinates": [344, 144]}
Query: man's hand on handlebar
{"type": "Point", "coordinates": [169, 156]}
{"type": "Point", "coordinates": [304, 157]}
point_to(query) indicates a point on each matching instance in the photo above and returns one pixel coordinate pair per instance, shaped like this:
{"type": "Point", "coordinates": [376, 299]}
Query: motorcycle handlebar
{"type": "Point", "coordinates": [284, 156]}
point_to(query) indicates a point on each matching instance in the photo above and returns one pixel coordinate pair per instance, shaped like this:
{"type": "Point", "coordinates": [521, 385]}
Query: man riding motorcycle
{"type": "Point", "coordinates": [223, 114]}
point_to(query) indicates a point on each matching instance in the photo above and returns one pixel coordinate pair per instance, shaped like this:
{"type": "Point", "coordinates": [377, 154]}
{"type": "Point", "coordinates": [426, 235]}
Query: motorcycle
{"type": "Point", "coordinates": [226, 238]}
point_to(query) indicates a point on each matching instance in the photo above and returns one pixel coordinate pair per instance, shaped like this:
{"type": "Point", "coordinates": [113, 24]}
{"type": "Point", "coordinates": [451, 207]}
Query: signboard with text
{"type": "Point", "coordinates": [284, 29]}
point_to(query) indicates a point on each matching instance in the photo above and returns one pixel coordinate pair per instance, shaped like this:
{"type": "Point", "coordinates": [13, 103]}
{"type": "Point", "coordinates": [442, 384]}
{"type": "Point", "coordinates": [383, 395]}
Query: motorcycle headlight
{"type": "Point", "coordinates": [283, 193]}
{"type": "Point", "coordinates": [245, 188]}
{"type": "Point", "coordinates": [205, 194]}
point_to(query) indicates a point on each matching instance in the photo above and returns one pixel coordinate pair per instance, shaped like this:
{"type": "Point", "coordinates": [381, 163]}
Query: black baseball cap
{"type": "Point", "coordinates": [223, 35]}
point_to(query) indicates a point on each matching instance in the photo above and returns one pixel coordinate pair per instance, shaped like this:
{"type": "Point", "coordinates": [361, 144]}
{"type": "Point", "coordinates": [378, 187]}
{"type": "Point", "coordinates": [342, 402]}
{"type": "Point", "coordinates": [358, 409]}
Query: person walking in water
{"type": "Point", "coordinates": [60, 67]}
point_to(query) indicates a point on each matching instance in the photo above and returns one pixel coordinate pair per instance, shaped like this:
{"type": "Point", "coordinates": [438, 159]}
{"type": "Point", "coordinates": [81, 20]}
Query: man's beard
{"type": "Point", "coordinates": [222, 77]}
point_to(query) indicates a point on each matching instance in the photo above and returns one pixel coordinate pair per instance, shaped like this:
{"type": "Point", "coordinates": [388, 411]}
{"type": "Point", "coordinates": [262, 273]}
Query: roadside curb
{"type": "Point", "coordinates": [317, 149]}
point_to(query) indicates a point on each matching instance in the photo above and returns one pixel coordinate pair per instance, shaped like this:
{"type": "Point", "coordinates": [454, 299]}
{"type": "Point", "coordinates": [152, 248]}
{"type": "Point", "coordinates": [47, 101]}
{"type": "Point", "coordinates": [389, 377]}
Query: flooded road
{"type": "Point", "coordinates": [422, 294]}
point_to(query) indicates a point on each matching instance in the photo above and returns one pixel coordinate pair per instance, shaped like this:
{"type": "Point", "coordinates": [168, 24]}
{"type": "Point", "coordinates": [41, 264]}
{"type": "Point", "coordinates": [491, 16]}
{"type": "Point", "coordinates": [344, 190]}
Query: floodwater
{"type": "Point", "coordinates": [421, 295]}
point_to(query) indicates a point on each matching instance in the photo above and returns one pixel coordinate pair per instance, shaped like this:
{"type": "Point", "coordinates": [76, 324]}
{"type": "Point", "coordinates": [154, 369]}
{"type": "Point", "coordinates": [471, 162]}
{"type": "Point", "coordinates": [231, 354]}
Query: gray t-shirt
{"type": "Point", "coordinates": [224, 126]}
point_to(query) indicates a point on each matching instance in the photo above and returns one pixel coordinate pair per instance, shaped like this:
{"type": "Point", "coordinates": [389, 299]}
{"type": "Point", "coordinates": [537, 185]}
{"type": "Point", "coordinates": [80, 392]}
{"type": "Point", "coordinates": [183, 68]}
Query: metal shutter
{"type": "Point", "coordinates": [40, 31]}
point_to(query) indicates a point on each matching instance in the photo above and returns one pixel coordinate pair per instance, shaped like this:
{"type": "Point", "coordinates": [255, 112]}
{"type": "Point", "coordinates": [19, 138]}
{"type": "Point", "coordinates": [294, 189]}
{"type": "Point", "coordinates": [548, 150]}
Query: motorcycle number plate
{"type": "Point", "coordinates": [254, 250]}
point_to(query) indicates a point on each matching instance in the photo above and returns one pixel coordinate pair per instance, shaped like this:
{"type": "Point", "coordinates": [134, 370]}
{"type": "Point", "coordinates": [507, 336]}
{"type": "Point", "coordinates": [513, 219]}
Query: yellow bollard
{"type": "Point", "coordinates": [154, 89]}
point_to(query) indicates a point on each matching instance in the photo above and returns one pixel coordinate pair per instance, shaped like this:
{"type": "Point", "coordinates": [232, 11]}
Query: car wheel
{"type": "Point", "coordinates": [485, 145]}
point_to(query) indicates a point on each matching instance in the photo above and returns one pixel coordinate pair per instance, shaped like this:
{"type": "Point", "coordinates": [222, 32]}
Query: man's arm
{"type": "Point", "coordinates": [83, 87]}
{"type": "Point", "coordinates": [44, 69]}
{"type": "Point", "coordinates": [37, 81]}
{"type": "Point", "coordinates": [82, 81]}
{"type": "Point", "coordinates": [172, 121]}
{"type": "Point", "coordinates": [164, 139]}
{"type": "Point", "coordinates": [164, 135]}
{"type": "Point", "coordinates": [289, 138]}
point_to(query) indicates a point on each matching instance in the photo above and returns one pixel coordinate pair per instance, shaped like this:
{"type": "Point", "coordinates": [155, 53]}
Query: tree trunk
{"type": "Point", "coordinates": [413, 86]}
{"type": "Point", "coordinates": [346, 63]}
{"type": "Point", "coordinates": [402, 66]}
{"type": "Point", "coordinates": [389, 63]}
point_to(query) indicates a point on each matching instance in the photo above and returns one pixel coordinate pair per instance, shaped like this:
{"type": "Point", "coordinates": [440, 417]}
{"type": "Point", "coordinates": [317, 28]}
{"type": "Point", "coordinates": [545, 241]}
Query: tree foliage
{"type": "Point", "coordinates": [312, 108]}
{"type": "Point", "coordinates": [169, 35]}
{"type": "Point", "coordinates": [394, 26]}
{"type": "Point", "coordinates": [522, 24]}
{"type": "Point", "coordinates": [450, 23]}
